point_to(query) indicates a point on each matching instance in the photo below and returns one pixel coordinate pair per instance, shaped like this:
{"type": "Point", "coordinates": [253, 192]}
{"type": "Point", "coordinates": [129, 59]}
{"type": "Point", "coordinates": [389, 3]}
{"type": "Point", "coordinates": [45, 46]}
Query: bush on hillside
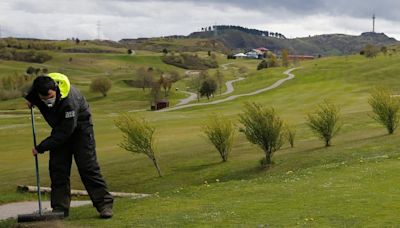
{"type": "Point", "coordinates": [191, 62]}
{"type": "Point", "coordinates": [370, 51]}
{"type": "Point", "coordinates": [220, 131]}
{"type": "Point", "coordinates": [324, 122]}
{"type": "Point", "coordinates": [290, 133]}
{"type": "Point", "coordinates": [138, 136]}
{"type": "Point", "coordinates": [25, 56]}
{"type": "Point", "coordinates": [385, 108]}
{"type": "Point", "coordinates": [101, 85]}
{"type": "Point", "coordinates": [14, 86]}
{"type": "Point", "coordinates": [264, 128]}
{"type": "Point", "coordinates": [208, 88]}
{"type": "Point", "coordinates": [262, 65]}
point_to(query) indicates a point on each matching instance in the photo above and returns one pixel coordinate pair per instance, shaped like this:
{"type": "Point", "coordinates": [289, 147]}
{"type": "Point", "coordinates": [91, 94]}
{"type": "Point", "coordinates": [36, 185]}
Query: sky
{"type": "Point", "coordinates": [118, 19]}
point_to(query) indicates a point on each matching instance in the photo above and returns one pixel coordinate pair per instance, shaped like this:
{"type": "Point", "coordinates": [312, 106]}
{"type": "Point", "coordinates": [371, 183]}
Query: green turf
{"type": "Point", "coordinates": [353, 183]}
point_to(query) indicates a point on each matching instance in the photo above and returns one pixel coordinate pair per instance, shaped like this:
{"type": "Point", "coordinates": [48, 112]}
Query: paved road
{"type": "Point", "coordinates": [273, 86]}
{"type": "Point", "coordinates": [12, 210]}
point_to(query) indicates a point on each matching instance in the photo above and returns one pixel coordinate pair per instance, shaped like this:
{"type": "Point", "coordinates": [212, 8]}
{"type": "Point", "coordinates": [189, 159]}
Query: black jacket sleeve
{"type": "Point", "coordinates": [62, 131]}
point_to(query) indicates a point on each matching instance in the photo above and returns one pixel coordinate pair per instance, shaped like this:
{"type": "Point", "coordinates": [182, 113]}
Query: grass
{"type": "Point", "coordinates": [353, 183]}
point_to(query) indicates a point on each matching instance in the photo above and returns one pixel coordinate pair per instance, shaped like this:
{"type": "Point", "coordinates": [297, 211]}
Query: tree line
{"type": "Point", "coordinates": [244, 29]}
{"type": "Point", "coordinates": [262, 126]}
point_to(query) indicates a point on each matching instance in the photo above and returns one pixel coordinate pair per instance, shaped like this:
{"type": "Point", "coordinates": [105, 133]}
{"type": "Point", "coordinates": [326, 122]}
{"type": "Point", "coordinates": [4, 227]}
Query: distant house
{"type": "Point", "coordinates": [301, 57]}
{"type": "Point", "coordinates": [240, 55]}
{"type": "Point", "coordinates": [262, 49]}
{"type": "Point", "coordinates": [254, 54]}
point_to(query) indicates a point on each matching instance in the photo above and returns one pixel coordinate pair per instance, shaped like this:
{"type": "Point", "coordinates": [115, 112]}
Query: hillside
{"type": "Point", "coordinates": [332, 44]}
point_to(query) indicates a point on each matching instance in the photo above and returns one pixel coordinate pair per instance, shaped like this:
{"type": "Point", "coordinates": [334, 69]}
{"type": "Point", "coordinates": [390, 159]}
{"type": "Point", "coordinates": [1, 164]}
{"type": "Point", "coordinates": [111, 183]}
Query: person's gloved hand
{"type": "Point", "coordinates": [29, 104]}
{"type": "Point", "coordinates": [34, 151]}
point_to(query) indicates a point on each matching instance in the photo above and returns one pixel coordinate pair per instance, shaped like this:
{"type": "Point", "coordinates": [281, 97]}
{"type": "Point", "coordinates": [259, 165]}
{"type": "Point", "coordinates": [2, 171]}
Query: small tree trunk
{"type": "Point", "coordinates": [157, 167]}
{"type": "Point", "coordinates": [268, 158]}
{"type": "Point", "coordinates": [327, 142]}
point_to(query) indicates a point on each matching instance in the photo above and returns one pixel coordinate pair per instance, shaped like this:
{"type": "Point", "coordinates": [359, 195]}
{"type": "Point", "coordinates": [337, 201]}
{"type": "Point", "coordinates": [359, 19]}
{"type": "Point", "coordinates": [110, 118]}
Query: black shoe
{"type": "Point", "coordinates": [66, 212]}
{"type": "Point", "coordinates": [106, 213]}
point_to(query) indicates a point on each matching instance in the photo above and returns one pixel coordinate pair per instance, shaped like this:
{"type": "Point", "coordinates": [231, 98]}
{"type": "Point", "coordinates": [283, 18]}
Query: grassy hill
{"type": "Point", "coordinates": [353, 183]}
{"type": "Point", "coordinates": [332, 44]}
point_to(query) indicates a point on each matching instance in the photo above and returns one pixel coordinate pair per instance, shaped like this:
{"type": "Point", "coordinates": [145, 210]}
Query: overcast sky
{"type": "Point", "coordinates": [61, 19]}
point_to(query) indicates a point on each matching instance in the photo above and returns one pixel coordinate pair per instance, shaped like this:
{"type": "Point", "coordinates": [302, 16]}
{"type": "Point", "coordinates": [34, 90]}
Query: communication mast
{"type": "Point", "coordinates": [373, 23]}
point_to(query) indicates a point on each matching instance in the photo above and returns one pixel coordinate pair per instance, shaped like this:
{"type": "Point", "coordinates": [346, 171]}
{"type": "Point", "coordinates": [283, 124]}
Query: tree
{"type": "Point", "coordinates": [77, 41]}
{"type": "Point", "coordinates": [272, 62]}
{"type": "Point", "coordinates": [285, 57]}
{"type": "Point", "coordinates": [197, 82]}
{"type": "Point", "coordinates": [262, 127]}
{"type": "Point", "coordinates": [130, 51]}
{"type": "Point", "coordinates": [175, 76]}
{"type": "Point", "coordinates": [384, 50]}
{"type": "Point", "coordinates": [165, 51]}
{"type": "Point", "coordinates": [220, 79]}
{"type": "Point", "coordinates": [325, 121]}
{"type": "Point", "coordinates": [155, 92]}
{"type": "Point", "coordinates": [30, 70]}
{"type": "Point", "coordinates": [290, 133]}
{"type": "Point", "coordinates": [385, 108]}
{"type": "Point", "coordinates": [208, 88]}
{"type": "Point", "coordinates": [220, 131]}
{"type": "Point", "coordinates": [145, 77]}
{"type": "Point", "coordinates": [138, 136]}
{"type": "Point", "coordinates": [101, 85]}
{"type": "Point", "coordinates": [370, 51]}
{"type": "Point", "coordinates": [166, 83]}
{"type": "Point", "coordinates": [263, 64]}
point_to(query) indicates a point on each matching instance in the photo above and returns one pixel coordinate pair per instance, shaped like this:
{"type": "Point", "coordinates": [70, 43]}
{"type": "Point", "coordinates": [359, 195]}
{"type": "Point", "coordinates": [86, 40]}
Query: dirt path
{"type": "Point", "coordinates": [273, 86]}
{"type": "Point", "coordinates": [12, 210]}
{"type": "Point", "coordinates": [229, 86]}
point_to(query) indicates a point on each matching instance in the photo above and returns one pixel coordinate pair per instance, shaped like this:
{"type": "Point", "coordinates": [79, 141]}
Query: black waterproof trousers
{"type": "Point", "coordinates": [81, 146]}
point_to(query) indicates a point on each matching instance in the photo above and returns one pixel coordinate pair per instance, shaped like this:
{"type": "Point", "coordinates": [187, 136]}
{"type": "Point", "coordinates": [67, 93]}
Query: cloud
{"type": "Point", "coordinates": [61, 19]}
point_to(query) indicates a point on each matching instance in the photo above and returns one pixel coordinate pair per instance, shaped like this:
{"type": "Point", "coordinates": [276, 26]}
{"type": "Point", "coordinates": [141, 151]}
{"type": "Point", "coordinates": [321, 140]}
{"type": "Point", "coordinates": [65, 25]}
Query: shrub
{"type": "Point", "coordinates": [264, 128]}
{"type": "Point", "coordinates": [370, 51]}
{"type": "Point", "coordinates": [325, 121]}
{"type": "Point", "coordinates": [101, 85]}
{"type": "Point", "coordinates": [263, 64]}
{"type": "Point", "coordinates": [220, 131]}
{"type": "Point", "coordinates": [192, 62]}
{"type": "Point", "coordinates": [385, 108]}
{"type": "Point", "coordinates": [138, 136]}
{"type": "Point", "coordinates": [208, 88]}
{"type": "Point", "coordinates": [9, 94]}
{"type": "Point", "coordinates": [290, 133]}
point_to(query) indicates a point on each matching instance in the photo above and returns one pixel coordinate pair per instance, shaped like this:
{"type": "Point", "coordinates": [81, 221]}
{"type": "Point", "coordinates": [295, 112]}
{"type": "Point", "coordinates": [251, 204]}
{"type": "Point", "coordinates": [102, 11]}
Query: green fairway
{"type": "Point", "coordinates": [353, 183]}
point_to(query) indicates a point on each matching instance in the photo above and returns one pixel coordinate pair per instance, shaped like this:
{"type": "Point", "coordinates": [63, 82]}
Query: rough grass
{"type": "Point", "coordinates": [353, 183]}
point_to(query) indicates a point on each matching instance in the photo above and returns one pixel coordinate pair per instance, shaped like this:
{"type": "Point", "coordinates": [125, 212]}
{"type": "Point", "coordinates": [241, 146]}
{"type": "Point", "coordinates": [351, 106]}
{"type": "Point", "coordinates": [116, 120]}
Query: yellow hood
{"type": "Point", "coordinates": [63, 83]}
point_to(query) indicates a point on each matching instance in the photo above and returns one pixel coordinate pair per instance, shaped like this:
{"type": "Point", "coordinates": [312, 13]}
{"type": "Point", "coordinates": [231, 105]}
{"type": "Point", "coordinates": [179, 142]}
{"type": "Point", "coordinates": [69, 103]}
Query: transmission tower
{"type": "Point", "coordinates": [373, 23]}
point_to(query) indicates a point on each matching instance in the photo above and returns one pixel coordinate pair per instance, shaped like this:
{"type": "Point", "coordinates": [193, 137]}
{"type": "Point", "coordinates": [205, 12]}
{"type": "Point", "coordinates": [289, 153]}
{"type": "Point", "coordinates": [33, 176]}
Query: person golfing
{"type": "Point", "coordinates": [66, 111]}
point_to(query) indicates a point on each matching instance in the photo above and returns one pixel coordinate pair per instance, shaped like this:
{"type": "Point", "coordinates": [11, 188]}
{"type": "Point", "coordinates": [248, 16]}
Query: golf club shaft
{"type": "Point", "coordinates": [36, 162]}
